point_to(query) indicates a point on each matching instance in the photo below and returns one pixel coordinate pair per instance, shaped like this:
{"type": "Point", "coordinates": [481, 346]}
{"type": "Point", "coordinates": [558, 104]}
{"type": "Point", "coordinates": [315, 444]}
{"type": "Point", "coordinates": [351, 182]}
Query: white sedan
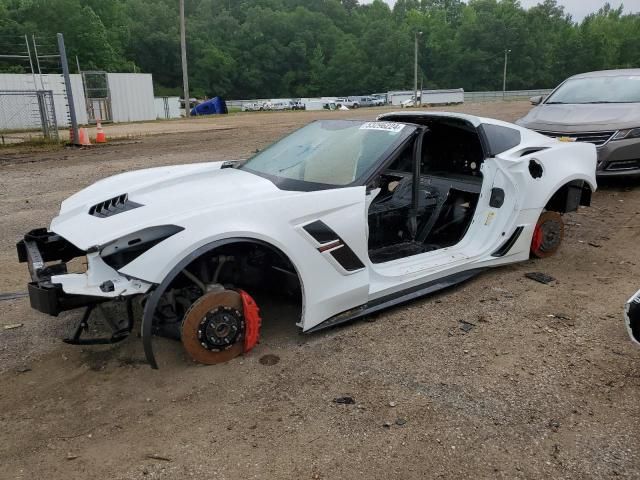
{"type": "Point", "coordinates": [341, 218]}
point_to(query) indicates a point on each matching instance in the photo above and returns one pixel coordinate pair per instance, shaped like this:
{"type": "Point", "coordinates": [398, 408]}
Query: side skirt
{"type": "Point", "coordinates": [397, 298]}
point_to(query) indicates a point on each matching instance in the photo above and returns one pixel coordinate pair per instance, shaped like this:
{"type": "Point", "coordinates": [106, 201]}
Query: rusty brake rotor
{"type": "Point", "coordinates": [213, 329]}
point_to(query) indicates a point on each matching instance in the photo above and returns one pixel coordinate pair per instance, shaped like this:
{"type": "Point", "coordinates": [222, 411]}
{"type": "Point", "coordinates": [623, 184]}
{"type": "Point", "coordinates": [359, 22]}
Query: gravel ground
{"type": "Point", "coordinates": [544, 384]}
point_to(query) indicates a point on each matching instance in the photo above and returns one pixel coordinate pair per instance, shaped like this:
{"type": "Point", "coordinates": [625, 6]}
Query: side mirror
{"type": "Point", "coordinates": [537, 100]}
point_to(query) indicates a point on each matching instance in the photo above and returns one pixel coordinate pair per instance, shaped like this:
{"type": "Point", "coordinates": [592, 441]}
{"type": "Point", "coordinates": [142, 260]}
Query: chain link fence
{"type": "Point", "coordinates": [27, 115]}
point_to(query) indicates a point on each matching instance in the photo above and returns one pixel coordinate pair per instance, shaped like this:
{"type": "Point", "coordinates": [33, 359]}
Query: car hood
{"type": "Point", "coordinates": [576, 118]}
{"type": "Point", "coordinates": [166, 195]}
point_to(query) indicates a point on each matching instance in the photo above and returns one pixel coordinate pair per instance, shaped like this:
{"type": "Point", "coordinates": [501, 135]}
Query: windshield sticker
{"type": "Point", "coordinates": [392, 127]}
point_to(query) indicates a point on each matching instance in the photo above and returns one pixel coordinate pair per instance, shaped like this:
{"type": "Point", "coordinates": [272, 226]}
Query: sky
{"type": "Point", "coordinates": [577, 8]}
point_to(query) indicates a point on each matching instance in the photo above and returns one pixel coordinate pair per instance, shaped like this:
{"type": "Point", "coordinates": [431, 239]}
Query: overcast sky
{"type": "Point", "coordinates": [578, 8]}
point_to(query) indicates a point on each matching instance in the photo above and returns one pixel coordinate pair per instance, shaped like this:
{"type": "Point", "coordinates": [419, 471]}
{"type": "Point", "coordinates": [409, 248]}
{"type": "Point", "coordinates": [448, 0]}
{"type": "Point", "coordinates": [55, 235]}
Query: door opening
{"type": "Point", "coordinates": [428, 194]}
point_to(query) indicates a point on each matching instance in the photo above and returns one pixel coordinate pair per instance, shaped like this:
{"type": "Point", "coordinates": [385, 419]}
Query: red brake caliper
{"type": "Point", "coordinates": [252, 320]}
{"type": "Point", "coordinates": [536, 241]}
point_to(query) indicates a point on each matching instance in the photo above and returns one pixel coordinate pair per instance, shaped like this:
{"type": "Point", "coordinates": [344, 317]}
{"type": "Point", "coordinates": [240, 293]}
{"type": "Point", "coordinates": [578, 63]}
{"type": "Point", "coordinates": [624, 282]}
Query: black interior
{"type": "Point", "coordinates": [449, 186]}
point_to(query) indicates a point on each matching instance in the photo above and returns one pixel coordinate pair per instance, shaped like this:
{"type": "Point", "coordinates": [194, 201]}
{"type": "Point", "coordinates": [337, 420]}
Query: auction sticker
{"type": "Point", "coordinates": [384, 126]}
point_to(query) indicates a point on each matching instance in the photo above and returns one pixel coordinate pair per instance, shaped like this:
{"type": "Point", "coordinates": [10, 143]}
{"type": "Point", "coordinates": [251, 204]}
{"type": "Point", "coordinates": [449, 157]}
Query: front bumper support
{"type": "Point", "coordinates": [38, 247]}
{"type": "Point", "coordinates": [119, 330]}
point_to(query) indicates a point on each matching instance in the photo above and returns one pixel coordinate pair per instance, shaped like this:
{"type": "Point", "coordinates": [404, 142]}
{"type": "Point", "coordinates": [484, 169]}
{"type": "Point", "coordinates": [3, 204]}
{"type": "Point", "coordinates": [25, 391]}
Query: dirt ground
{"type": "Point", "coordinates": [545, 384]}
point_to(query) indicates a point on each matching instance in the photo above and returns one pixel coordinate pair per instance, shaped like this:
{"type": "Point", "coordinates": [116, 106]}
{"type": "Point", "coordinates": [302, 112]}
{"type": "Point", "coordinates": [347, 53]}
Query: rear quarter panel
{"type": "Point", "coordinates": [562, 162]}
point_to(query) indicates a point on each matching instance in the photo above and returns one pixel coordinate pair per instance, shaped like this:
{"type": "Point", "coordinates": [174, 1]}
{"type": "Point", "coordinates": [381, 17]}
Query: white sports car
{"type": "Point", "coordinates": [343, 217]}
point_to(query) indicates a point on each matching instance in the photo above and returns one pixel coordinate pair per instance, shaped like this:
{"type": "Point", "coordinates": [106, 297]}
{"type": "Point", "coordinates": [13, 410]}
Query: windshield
{"type": "Point", "coordinates": [619, 89]}
{"type": "Point", "coordinates": [330, 152]}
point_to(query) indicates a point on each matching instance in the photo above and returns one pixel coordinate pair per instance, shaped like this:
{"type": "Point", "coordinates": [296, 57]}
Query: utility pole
{"type": "Point", "coordinates": [185, 75]}
{"type": "Point", "coordinates": [415, 70]}
{"type": "Point", "coordinates": [67, 85]}
{"type": "Point", "coordinates": [504, 76]}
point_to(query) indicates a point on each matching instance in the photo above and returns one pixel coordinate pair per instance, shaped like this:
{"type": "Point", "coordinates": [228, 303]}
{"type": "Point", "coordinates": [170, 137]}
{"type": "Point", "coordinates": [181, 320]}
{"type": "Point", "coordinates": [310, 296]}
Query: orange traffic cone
{"type": "Point", "coordinates": [83, 136]}
{"type": "Point", "coordinates": [100, 136]}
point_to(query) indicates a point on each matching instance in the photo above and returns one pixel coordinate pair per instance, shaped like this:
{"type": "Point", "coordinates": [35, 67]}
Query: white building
{"type": "Point", "coordinates": [130, 98]}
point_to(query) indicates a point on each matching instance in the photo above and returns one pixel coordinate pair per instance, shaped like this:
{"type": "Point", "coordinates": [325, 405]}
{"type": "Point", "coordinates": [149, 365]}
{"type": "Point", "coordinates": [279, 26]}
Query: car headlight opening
{"type": "Point", "coordinates": [627, 134]}
{"type": "Point", "coordinates": [126, 249]}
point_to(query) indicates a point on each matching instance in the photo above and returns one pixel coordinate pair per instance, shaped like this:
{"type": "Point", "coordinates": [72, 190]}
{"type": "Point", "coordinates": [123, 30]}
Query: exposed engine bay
{"type": "Point", "coordinates": [407, 217]}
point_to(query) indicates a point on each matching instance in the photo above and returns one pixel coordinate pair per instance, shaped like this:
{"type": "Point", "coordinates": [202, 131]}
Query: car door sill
{"type": "Point", "coordinates": [397, 298]}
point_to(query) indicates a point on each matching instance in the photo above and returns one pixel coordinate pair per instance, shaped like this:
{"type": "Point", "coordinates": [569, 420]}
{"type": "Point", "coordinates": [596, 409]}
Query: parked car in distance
{"type": "Point", "coordinates": [408, 103]}
{"type": "Point", "coordinates": [279, 105]}
{"type": "Point", "coordinates": [347, 102]}
{"type": "Point", "coordinates": [379, 100]}
{"type": "Point", "coordinates": [342, 218]}
{"type": "Point", "coordinates": [320, 105]}
{"type": "Point", "coordinates": [602, 108]}
{"type": "Point", "coordinates": [253, 107]}
{"type": "Point", "coordinates": [366, 101]}
{"type": "Point", "coordinates": [192, 102]}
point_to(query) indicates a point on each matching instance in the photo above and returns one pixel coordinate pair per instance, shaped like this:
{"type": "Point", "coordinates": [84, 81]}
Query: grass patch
{"type": "Point", "coordinates": [33, 144]}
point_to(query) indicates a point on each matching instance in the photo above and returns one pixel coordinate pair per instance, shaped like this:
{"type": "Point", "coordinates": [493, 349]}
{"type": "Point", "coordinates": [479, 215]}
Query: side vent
{"type": "Point", "coordinates": [506, 246]}
{"type": "Point", "coordinates": [531, 150]}
{"type": "Point", "coordinates": [113, 206]}
{"type": "Point", "coordinates": [331, 242]}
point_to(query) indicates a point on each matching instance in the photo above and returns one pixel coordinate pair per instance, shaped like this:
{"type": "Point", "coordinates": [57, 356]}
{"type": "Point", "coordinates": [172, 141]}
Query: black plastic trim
{"type": "Point", "coordinates": [499, 139]}
{"type": "Point", "coordinates": [511, 241]}
{"type": "Point", "coordinates": [397, 298]}
{"type": "Point", "coordinates": [50, 299]}
{"type": "Point", "coordinates": [321, 232]}
{"type": "Point", "coordinates": [343, 254]}
{"type": "Point", "coordinates": [497, 197]}
{"type": "Point", "coordinates": [633, 315]}
{"type": "Point", "coordinates": [51, 246]}
{"type": "Point", "coordinates": [113, 206]}
{"type": "Point", "coordinates": [347, 258]}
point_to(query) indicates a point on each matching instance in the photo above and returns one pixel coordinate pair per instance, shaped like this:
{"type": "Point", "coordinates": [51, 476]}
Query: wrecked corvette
{"type": "Point", "coordinates": [342, 218]}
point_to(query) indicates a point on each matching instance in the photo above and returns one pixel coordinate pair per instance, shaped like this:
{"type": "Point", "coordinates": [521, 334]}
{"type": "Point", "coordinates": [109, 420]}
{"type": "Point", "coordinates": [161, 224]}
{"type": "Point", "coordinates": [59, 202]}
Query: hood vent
{"type": "Point", "coordinates": [113, 206]}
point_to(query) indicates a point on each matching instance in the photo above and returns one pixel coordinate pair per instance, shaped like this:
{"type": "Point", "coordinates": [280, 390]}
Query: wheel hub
{"type": "Point", "coordinates": [550, 236]}
{"type": "Point", "coordinates": [213, 328]}
{"type": "Point", "coordinates": [220, 328]}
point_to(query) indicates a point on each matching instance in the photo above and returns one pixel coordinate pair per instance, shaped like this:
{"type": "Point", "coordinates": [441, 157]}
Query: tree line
{"type": "Point", "coordinates": [299, 48]}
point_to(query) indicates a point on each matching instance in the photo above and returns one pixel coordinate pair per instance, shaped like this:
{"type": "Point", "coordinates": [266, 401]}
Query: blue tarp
{"type": "Point", "coordinates": [216, 105]}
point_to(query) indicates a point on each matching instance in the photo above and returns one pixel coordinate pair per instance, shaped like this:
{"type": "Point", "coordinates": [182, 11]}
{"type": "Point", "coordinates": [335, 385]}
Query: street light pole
{"type": "Point", "coordinates": [415, 70]}
{"type": "Point", "coordinates": [185, 75]}
{"type": "Point", "coordinates": [504, 76]}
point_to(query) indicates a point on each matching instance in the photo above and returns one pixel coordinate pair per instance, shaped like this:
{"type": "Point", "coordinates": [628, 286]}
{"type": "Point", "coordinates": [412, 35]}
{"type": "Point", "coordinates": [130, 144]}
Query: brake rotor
{"type": "Point", "coordinates": [213, 329]}
{"type": "Point", "coordinates": [547, 235]}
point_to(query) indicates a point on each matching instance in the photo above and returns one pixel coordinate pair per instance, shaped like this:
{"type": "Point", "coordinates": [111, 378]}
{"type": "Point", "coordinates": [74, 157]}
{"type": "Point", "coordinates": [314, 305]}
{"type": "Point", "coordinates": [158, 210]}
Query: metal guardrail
{"type": "Point", "coordinates": [494, 96]}
{"type": "Point", "coordinates": [499, 95]}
